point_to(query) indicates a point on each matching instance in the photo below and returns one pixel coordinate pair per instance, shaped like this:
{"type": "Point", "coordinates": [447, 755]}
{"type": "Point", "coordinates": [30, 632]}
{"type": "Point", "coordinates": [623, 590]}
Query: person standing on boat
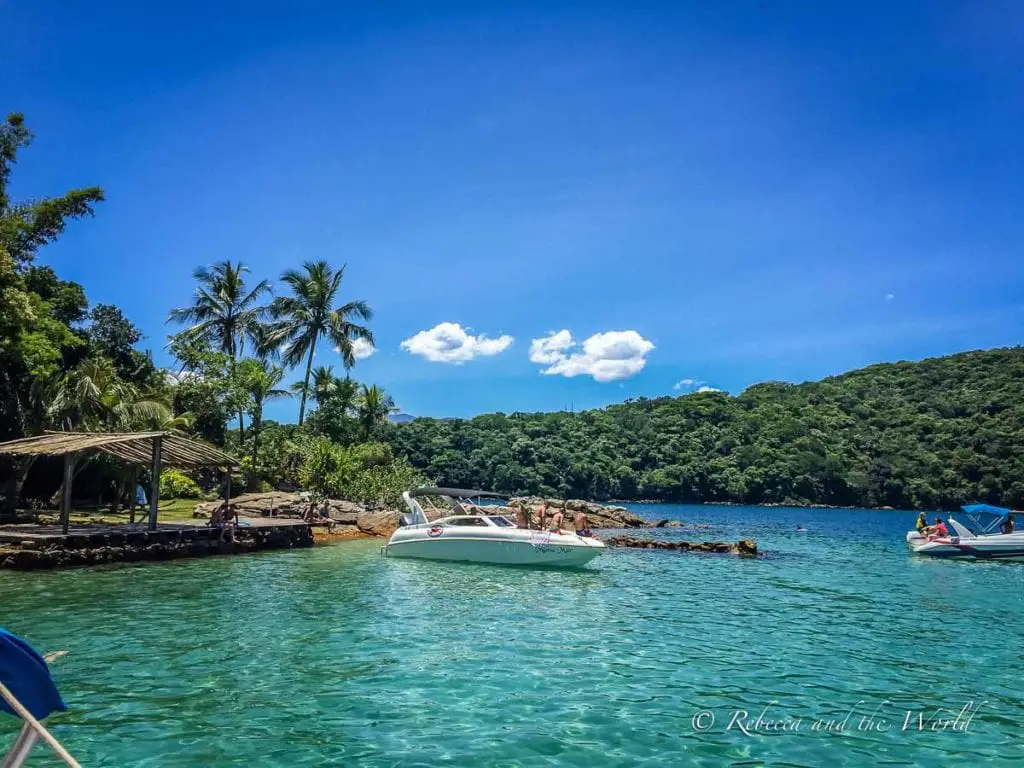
{"type": "Point", "coordinates": [582, 524]}
{"type": "Point", "coordinates": [540, 516]}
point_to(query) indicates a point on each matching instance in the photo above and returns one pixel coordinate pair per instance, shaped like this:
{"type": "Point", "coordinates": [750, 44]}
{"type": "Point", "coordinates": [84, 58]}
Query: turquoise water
{"type": "Point", "coordinates": [337, 656]}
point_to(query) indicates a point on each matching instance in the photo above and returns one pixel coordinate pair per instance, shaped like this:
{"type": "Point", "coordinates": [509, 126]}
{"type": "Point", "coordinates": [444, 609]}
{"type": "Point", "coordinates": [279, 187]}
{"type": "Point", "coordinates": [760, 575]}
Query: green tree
{"type": "Point", "coordinates": [203, 386]}
{"type": "Point", "coordinates": [335, 413]}
{"type": "Point", "coordinates": [27, 226]}
{"type": "Point", "coordinates": [260, 381]}
{"type": "Point", "coordinates": [36, 340]}
{"type": "Point", "coordinates": [224, 313]}
{"type": "Point", "coordinates": [938, 433]}
{"type": "Point", "coordinates": [374, 406]}
{"type": "Point", "coordinates": [92, 397]}
{"type": "Point", "coordinates": [113, 336]}
{"type": "Point", "coordinates": [311, 312]}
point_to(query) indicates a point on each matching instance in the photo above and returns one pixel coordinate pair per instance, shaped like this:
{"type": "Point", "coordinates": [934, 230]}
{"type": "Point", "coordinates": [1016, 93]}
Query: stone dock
{"type": "Point", "coordinates": [31, 547]}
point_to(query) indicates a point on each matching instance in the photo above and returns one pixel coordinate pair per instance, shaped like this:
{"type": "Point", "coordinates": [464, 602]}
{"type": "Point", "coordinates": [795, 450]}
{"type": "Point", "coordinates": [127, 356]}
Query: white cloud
{"type": "Point", "coordinates": [361, 349]}
{"type": "Point", "coordinates": [449, 343]}
{"type": "Point", "coordinates": [608, 356]}
{"type": "Point", "coordinates": [548, 350]}
{"type": "Point", "coordinates": [890, 296]}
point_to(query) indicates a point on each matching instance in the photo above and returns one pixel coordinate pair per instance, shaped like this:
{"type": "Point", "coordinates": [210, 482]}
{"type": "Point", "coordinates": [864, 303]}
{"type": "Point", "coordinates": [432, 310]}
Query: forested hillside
{"type": "Point", "coordinates": [933, 434]}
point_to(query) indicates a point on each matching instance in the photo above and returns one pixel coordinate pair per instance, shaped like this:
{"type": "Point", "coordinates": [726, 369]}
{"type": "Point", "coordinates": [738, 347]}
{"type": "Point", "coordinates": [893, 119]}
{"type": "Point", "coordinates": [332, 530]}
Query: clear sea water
{"type": "Point", "coordinates": [337, 656]}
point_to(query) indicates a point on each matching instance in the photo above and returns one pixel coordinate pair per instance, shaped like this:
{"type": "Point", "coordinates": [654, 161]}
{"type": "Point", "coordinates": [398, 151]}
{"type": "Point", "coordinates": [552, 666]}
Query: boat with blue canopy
{"type": "Point", "coordinates": [979, 532]}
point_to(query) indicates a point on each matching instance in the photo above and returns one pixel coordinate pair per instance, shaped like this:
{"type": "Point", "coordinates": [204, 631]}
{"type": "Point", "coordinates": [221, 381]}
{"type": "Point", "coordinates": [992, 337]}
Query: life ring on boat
{"type": "Point", "coordinates": [436, 531]}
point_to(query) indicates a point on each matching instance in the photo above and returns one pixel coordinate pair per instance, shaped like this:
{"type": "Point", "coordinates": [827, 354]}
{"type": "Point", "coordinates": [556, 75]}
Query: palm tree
{"type": "Point", "coordinates": [374, 407]}
{"type": "Point", "coordinates": [323, 384]}
{"type": "Point", "coordinates": [261, 380]}
{"type": "Point", "coordinates": [309, 313]}
{"type": "Point", "coordinates": [345, 394]}
{"type": "Point", "coordinates": [91, 396]}
{"type": "Point", "coordinates": [224, 313]}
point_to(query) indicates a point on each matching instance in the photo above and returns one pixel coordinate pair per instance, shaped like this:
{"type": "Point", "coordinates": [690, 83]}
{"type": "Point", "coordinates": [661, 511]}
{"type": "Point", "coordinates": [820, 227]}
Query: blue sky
{"type": "Point", "coordinates": [716, 193]}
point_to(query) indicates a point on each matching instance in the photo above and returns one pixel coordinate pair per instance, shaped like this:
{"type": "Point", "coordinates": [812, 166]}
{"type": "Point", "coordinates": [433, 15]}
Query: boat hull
{"type": "Point", "coordinates": [995, 547]}
{"type": "Point", "coordinates": [553, 551]}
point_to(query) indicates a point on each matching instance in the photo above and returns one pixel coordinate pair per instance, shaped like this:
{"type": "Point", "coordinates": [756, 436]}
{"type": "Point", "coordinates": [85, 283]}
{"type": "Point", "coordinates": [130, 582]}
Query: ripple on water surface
{"type": "Point", "coordinates": [339, 656]}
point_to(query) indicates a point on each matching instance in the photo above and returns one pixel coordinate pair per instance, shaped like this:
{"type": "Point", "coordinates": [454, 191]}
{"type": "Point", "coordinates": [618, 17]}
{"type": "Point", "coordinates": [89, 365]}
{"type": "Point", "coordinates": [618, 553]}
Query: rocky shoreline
{"type": "Point", "coordinates": [383, 522]}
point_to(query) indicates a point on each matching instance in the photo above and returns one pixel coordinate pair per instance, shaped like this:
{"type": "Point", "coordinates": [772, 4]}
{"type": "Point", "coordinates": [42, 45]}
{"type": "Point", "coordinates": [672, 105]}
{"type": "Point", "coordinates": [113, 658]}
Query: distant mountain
{"type": "Point", "coordinates": [400, 418]}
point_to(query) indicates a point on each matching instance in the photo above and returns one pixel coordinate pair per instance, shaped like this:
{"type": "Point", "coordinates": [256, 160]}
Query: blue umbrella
{"type": "Point", "coordinates": [25, 674]}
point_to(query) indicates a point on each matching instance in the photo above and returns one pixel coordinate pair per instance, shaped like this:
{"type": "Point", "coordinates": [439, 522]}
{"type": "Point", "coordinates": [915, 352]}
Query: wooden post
{"type": "Point", "coordinates": [154, 490]}
{"type": "Point", "coordinates": [227, 495]}
{"type": "Point", "coordinates": [65, 495]}
{"type": "Point", "coordinates": [133, 484]}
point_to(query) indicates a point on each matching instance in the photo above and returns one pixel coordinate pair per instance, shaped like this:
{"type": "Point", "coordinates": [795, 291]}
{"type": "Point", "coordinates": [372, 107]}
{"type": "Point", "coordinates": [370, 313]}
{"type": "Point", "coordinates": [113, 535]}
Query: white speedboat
{"type": "Point", "coordinates": [466, 532]}
{"type": "Point", "coordinates": [979, 538]}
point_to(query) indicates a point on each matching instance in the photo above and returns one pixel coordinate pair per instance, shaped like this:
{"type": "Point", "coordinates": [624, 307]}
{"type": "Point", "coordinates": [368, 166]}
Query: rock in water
{"type": "Point", "coordinates": [378, 523]}
{"type": "Point", "coordinates": [746, 547]}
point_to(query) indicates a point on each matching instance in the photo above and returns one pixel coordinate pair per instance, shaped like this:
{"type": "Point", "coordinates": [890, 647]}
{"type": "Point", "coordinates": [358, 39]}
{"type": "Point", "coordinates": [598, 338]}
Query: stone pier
{"type": "Point", "coordinates": [29, 547]}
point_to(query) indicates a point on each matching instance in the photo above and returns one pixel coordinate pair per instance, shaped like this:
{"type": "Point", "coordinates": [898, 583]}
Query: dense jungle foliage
{"type": "Point", "coordinates": [932, 434]}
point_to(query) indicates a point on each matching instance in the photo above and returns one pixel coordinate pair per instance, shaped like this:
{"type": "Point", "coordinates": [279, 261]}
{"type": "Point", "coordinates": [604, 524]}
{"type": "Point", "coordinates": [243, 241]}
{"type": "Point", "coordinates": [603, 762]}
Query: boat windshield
{"type": "Point", "coordinates": [467, 521]}
{"type": "Point", "coordinates": [501, 522]}
{"type": "Point", "coordinates": [982, 519]}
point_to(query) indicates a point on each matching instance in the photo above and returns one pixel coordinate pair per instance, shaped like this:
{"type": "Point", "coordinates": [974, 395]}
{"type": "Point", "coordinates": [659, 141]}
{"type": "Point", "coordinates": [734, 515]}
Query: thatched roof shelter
{"type": "Point", "coordinates": [148, 449]}
{"type": "Point", "coordinates": [135, 447]}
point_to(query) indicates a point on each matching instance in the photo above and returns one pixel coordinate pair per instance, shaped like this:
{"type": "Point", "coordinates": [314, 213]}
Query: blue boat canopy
{"type": "Point", "coordinates": [24, 672]}
{"type": "Point", "coordinates": [985, 518]}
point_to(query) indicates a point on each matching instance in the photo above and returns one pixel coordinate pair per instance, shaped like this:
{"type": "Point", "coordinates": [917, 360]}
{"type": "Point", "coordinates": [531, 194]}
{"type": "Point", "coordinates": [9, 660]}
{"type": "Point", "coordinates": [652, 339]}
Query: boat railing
{"type": "Point", "coordinates": [30, 733]}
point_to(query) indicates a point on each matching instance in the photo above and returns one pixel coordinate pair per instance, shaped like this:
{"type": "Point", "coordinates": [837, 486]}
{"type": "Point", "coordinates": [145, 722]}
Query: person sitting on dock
{"type": "Point", "coordinates": [1007, 526]}
{"type": "Point", "coordinates": [582, 524]}
{"type": "Point", "coordinates": [221, 518]}
{"type": "Point", "coordinates": [312, 516]}
{"type": "Point", "coordinates": [325, 515]}
{"type": "Point", "coordinates": [218, 515]}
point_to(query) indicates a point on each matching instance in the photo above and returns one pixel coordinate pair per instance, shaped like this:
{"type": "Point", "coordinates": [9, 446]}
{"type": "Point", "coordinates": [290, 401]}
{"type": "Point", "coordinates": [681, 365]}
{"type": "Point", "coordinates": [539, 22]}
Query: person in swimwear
{"type": "Point", "coordinates": [557, 520]}
{"type": "Point", "coordinates": [582, 524]}
{"type": "Point", "coordinates": [521, 521]}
